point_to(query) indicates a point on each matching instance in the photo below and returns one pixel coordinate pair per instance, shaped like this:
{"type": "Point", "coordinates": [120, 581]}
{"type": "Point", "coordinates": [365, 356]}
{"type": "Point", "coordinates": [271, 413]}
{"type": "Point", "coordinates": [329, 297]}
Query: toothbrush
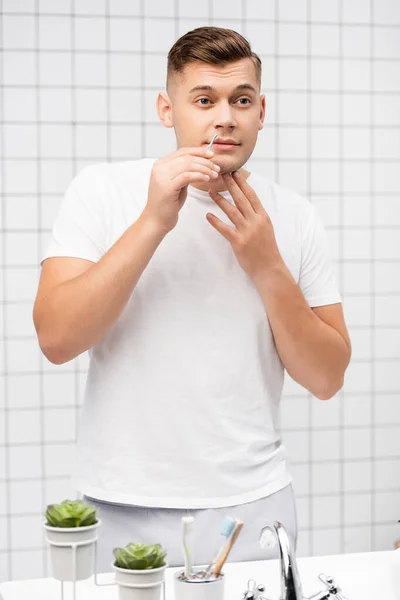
{"type": "Point", "coordinates": [212, 141]}
{"type": "Point", "coordinates": [187, 530]}
{"type": "Point", "coordinates": [228, 527]}
{"type": "Point", "coordinates": [221, 560]}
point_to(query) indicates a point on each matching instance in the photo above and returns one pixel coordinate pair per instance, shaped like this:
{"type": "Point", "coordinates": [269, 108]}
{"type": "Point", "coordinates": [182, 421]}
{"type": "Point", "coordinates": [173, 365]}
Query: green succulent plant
{"type": "Point", "coordinates": [140, 556]}
{"type": "Point", "coordinates": [70, 514]}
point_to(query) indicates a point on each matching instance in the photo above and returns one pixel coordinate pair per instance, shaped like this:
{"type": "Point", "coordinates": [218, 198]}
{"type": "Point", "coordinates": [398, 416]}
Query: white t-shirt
{"type": "Point", "coordinates": [182, 395]}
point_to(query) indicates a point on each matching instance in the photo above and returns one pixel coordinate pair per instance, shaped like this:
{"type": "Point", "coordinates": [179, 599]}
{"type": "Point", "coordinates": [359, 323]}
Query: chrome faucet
{"type": "Point", "coordinates": [290, 579]}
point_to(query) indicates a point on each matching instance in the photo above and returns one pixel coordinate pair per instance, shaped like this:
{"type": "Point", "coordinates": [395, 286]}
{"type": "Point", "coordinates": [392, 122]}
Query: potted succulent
{"type": "Point", "coordinates": [139, 571]}
{"type": "Point", "coordinates": [71, 531]}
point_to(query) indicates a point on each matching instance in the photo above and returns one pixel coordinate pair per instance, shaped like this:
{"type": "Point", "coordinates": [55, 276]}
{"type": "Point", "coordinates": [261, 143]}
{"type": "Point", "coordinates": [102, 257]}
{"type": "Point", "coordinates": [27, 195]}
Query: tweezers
{"type": "Point", "coordinates": [212, 141]}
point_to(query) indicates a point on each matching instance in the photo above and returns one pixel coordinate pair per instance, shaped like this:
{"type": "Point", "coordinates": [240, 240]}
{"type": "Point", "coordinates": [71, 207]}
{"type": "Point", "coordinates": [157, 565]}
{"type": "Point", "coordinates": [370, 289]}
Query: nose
{"type": "Point", "coordinates": [224, 116]}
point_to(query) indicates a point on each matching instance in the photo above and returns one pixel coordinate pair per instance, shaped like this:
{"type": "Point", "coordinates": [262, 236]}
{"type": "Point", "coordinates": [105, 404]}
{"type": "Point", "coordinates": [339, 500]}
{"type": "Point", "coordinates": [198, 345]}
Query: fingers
{"type": "Point", "coordinates": [248, 191]}
{"type": "Point", "coordinates": [195, 150]}
{"type": "Point", "coordinates": [188, 163]}
{"type": "Point", "coordinates": [242, 203]}
{"type": "Point", "coordinates": [233, 212]}
{"type": "Point", "coordinates": [183, 179]}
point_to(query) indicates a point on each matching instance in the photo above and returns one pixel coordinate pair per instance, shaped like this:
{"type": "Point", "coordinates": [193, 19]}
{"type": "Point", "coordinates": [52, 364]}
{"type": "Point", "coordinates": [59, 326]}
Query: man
{"type": "Point", "coordinates": [193, 283]}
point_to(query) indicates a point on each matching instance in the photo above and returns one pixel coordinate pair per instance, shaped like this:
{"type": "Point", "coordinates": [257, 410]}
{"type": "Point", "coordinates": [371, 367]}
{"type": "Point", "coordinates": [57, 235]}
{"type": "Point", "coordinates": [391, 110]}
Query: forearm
{"type": "Point", "coordinates": [79, 312]}
{"type": "Point", "coordinates": [313, 353]}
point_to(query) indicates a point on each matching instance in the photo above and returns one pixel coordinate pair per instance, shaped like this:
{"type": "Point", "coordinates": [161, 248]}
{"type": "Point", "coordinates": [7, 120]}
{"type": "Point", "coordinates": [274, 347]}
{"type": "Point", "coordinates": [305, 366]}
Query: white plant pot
{"type": "Point", "coordinates": [72, 551]}
{"type": "Point", "coordinates": [139, 584]}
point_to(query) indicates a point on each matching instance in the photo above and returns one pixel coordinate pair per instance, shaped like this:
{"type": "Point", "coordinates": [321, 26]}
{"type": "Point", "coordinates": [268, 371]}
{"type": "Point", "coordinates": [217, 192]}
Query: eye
{"type": "Point", "coordinates": [200, 99]}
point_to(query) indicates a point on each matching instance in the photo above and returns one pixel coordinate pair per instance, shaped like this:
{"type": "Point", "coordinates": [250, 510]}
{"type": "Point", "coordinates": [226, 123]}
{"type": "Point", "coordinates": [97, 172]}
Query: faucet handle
{"type": "Point", "coordinates": [254, 591]}
{"type": "Point", "coordinates": [332, 587]}
{"type": "Point", "coordinates": [249, 593]}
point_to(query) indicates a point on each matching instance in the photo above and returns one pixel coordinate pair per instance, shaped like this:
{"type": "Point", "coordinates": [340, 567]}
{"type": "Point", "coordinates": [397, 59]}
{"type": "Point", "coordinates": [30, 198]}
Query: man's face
{"type": "Point", "coordinates": [197, 115]}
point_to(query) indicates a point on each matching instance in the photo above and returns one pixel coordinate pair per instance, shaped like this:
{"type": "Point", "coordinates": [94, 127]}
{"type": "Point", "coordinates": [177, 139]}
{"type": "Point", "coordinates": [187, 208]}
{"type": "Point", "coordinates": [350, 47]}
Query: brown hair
{"type": "Point", "coordinates": [212, 45]}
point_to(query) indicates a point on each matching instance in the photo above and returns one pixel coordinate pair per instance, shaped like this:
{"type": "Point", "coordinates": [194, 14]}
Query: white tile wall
{"type": "Point", "coordinates": [331, 132]}
{"type": "Point", "coordinates": [358, 509]}
{"type": "Point", "coordinates": [357, 539]}
{"type": "Point", "coordinates": [326, 540]}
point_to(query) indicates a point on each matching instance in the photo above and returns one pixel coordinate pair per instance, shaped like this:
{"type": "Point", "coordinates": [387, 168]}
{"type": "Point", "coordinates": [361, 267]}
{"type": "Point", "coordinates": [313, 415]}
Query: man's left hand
{"type": "Point", "coordinates": [253, 239]}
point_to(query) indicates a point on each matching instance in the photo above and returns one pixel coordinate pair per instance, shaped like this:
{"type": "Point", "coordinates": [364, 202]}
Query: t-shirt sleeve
{"type": "Point", "coordinates": [317, 279]}
{"type": "Point", "coordinates": [78, 230]}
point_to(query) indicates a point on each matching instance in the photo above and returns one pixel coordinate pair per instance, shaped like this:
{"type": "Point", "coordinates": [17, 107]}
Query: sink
{"type": "Point", "coordinates": [361, 576]}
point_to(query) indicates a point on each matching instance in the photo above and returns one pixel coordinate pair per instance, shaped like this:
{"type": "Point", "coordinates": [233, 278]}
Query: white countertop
{"type": "Point", "coordinates": [362, 576]}
{"type": "Point", "coordinates": [236, 577]}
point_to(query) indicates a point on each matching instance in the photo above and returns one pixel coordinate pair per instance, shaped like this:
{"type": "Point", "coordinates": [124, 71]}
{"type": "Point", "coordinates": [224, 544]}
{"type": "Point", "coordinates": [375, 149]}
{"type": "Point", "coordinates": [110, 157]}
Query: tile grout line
{"type": "Point", "coordinates": [342, 541]}
{"type": "Point", "coordinates": [4, 325]}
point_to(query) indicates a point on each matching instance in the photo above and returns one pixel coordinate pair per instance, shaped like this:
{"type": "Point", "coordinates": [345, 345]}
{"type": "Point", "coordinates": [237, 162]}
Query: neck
{"type": "Point", "coordinates": [219, 184]}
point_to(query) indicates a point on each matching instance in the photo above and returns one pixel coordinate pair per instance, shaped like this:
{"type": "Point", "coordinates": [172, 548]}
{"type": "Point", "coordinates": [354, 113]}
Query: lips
{"type": "Point", "coordinates": [226, 143]}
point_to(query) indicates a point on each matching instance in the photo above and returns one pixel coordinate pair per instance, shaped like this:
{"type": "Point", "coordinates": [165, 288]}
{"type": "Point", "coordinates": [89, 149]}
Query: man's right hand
{"type": "Point", "coordinates": [169, 179]}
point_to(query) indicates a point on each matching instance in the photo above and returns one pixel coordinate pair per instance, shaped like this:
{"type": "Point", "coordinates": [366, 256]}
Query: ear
{"type": "Point", "coordinates": [262, 112]}
{"type": "Point", "coordinates": [164, 109]}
